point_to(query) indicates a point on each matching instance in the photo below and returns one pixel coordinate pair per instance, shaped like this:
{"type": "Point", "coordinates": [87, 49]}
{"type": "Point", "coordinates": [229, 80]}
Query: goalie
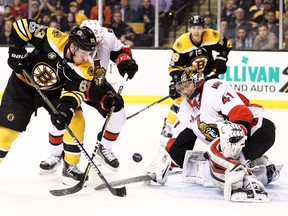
{"type": "Point", "coordinates": [252, 134]}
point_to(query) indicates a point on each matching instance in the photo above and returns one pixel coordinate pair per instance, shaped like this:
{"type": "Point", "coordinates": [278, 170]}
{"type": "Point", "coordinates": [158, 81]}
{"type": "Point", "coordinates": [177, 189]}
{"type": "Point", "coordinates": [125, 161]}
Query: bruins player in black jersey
{"type": "Point", "coordinates": [194, 49]}
{"type": "Point", "coordinates": [57, 61]}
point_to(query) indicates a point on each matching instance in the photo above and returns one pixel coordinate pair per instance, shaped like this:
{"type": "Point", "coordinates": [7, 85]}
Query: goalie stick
{"type": "Point", "coordinates": [115, 191]}
{"type": "Point", "coordinates": [131, 180]}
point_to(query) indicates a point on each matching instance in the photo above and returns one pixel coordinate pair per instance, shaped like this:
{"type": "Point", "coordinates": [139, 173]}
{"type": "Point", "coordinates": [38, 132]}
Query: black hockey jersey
{"type": "Point", "coordinates": [185, 53]}
{"type": "Point", "coordinates": [47, 63]}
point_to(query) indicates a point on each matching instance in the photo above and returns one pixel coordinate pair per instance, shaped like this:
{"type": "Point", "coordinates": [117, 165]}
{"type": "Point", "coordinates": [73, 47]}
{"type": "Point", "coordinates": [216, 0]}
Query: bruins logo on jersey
{"type": "Point", "coordinates": [45, 76]}
{"type": "Point", "coordinates": [210, 131]}
{"type": "Point", "coordinates": [56, 33]}
{"type": "Point", "coordinates": [98, 74]}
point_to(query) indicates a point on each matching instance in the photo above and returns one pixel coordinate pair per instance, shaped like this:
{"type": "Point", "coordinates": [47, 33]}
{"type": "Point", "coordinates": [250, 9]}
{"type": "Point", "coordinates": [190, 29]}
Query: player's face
{"type": "Point", "coordinates": [196, 32]}
{"type": "Point", "coordinates": [80, 56]}
{"type": "Point", "coordinates": [186, 89]}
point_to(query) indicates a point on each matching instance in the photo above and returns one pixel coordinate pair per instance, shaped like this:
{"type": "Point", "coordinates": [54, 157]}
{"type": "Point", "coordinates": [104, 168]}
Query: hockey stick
{"type": "Point", "coordinates": [155, 103]}
{"type": "Point", "coordinates": [115, 191]}
{"type": "Point", "coordinates": [81, 183]}
{"type": "Point", "coordinates": [136, 179]}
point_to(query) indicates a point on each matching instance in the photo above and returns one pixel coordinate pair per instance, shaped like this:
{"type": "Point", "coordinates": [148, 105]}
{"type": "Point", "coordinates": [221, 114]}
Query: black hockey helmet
{"type": "Point", "coordinates": [83, 38]}
{"type": "Point", "coordinates": [196, 20]}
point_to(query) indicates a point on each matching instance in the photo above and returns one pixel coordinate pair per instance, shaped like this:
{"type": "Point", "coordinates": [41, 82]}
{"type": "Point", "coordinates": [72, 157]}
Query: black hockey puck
{"type": "Point", "coordinates": [137, 157]}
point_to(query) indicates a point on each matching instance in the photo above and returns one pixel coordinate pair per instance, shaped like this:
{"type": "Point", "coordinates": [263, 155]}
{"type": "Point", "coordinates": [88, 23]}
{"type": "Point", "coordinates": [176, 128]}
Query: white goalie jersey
{"type": "Point", "coordinates": [224, 103]}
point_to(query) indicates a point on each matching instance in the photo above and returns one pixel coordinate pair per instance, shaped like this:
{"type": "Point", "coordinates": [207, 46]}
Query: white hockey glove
{"type": "Point", "coordinates": [160, 167]}
{"type": "Point", "coordinates": [232, 138]}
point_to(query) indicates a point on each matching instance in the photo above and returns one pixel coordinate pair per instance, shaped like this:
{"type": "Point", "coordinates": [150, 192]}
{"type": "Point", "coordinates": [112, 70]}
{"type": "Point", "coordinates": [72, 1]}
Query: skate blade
{"type": "Point", "coordinates": [70, 182]}
{"type": "Point", "coordinates": [102, 161]}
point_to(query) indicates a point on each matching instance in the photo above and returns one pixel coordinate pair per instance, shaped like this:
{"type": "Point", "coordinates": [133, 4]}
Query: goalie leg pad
{"type": "Point", "coordinates": [196, 169]}
{"type": "Point", "coordinates": [160, 166]}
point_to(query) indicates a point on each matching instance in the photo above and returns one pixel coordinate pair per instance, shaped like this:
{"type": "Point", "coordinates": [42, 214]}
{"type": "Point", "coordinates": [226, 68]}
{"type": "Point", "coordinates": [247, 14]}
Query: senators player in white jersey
{"type": "Point", "coordinates": [248, 135]}
{"type": "Point", "coordinates": [58, 61]}
{"type": "Point", "coordinates": [109, 47]}
{"type": "Point", "coordinates": [194, 48]}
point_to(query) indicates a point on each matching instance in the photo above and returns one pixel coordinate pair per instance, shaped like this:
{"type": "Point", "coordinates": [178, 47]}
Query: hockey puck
{"type": "Point", "coordinates": [137, 157]}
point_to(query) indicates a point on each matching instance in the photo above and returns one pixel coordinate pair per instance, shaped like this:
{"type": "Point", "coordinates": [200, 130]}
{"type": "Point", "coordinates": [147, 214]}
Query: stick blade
{"type": "Point", "coordinates": [67, 191]}
{"type": "Point", "coordinates": [121, 192]}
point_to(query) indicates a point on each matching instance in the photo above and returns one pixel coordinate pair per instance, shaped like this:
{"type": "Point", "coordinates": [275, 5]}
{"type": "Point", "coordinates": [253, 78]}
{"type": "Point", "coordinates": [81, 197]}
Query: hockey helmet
{"type": "Point", "coordinates": [83, 38]}
{"type": "Point", "coordinates": [96, 28]}
{"type": "Point", "coordinates": [186, 78]}
{"type": "Point", "coordinates": [196, 21]}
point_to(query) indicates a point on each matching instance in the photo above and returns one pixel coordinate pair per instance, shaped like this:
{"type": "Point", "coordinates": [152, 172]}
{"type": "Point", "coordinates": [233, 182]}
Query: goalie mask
{"type": "Point", "coordinates": [232, 138]}
{"type": "Point", "coordinates": [187, 81]}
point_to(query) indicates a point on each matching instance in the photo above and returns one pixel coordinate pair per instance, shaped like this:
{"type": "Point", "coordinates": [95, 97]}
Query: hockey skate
{"type": "Point", "coordinates": [107, 158]}
{"type": "Point", "coordinates": [71, 174]}
{"type": "Point", "coordinates": [50, 165]}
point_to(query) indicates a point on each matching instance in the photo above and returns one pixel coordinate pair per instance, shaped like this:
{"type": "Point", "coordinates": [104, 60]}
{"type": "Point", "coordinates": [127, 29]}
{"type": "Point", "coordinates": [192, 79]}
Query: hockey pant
{"type": "Point", "coordinates": [172, 114]}
{"type": "Point", "coordinates": [77, 125]}
{"type": "Point", "coordinates": [6, 139]}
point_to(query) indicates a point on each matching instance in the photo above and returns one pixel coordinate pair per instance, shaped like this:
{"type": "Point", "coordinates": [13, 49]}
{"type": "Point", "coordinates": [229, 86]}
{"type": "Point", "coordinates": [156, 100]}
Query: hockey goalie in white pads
{"type": "Point", "coordinates": [229, 170]}
{"type": "Point", "coordinates": [160, 167]}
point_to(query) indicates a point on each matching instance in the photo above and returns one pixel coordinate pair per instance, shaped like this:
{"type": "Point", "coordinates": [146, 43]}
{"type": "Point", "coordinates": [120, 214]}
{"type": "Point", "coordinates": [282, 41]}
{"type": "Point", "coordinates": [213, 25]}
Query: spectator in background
{"type": "Point", "coordinates": [18, 9]}
{"type": "Point", "coordinates": [243, 39]}
{"type": "Point", "coordinates": [60, 17]}
{"type": "Point", "coordinates": [117, 25]}
{"type": "Point", "coordinates": [146, 14]}
{"type": "Point", "coordinates": [128, 14]}
{"type": "Point", "coordinates": [265, 40]}
{"type": "Point", "coordinates": [260, 15]}
{"type": "Point", "coordinates": [107, 13]}
{"type": "Point", "coordinates": [164, 18]}
{"type": "Point", "coordinates": [239, 20]}
{"type": "Point", "coordinates": [5, 32]}
{"type": "Point", "coordinates": [54, 24]}
{"type": "Point", "coordinates": [83, 8]}
{"type": "Point", "coordinates": [7, 13]}
{"type": "Point", "coordinates": [258, 6]}
{"type": "Point", "coordinates": [2, 21]}
{"type": "Point", "coordinates": [131, 39]}
{"type": "Point", "coordinates": [35, 11]}
{"type": "Point", "coordinates": [209, 24]}
{"type": "Point", "coordinates": [79, 17]}
{"type": "Point", "coordinates": [228, 11]}
{"type": "Point", "coordinates": [224, 28]}
{"type": "Point", "coordinates": [270, 19]}
{"type": "Point", "coordinates": [46, 19]}
{"type": "Point", "coordinates": [71, 22]}
{"type": "Point", "coordinates": [48, 6]}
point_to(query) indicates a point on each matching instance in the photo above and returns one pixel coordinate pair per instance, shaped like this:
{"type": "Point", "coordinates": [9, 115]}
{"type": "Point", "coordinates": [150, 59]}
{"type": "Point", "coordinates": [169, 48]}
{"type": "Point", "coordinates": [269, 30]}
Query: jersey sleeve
{"type": "Point", "coordinates": [26, 31]}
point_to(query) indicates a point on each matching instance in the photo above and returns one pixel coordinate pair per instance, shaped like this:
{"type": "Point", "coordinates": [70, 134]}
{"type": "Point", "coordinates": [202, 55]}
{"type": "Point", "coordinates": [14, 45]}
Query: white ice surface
{"type": "Point", "coordinates": [24, 192]}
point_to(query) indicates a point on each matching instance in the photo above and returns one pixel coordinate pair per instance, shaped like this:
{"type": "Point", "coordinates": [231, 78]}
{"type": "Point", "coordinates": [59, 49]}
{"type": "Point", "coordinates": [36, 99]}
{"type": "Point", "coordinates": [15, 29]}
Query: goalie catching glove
{"type": "Point", "coordinates": [126, 64]}
{"type": "Point", "coordinates": [18, 59]}
{"type": "Point", "coordinates": [111, 99]}
{"type": "Point", "coordinates": [232, 138]}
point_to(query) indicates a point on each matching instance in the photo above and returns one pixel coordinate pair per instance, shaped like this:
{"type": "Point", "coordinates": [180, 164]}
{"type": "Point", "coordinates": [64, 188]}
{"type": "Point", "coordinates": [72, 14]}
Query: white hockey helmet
{"type": "Point", "coordinates": [96, 28]}
{"type": "Point", "coordinates": [232, 138]}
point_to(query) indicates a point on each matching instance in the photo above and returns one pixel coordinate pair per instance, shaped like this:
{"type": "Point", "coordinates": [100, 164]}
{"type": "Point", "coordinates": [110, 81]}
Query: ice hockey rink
{"type": "Point", "coordinates": [24, 192]}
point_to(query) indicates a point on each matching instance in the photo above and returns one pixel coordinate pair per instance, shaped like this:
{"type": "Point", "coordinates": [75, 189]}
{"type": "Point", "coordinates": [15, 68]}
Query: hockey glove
{"type": "Point", "coordinates": [62, 117]}
{"type": "Point", "coordinates": [18, 59]}
{"type": "Point", "coordinates": [220, 64]}
{"type": "Point", "coordinates": [126, 64]}
{"type": "Point", "coordinates": [172, 90]}
{"type": "Point", "coordinates": [110, 99]}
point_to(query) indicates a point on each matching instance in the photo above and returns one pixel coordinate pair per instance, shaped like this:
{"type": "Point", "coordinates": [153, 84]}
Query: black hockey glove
{"type": "Point", "coordinates": [126, 64]}
{"type": "Point", "coordinates": [111, 99]}
{"type": "Point", "coordinates": [220, 64]}
{"type": "Point", "coordinates": [172, 90]}
{"type": "Point", "coordinates": [18, 59]}
{"type": "Point", "coordinates": [62, 117]}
